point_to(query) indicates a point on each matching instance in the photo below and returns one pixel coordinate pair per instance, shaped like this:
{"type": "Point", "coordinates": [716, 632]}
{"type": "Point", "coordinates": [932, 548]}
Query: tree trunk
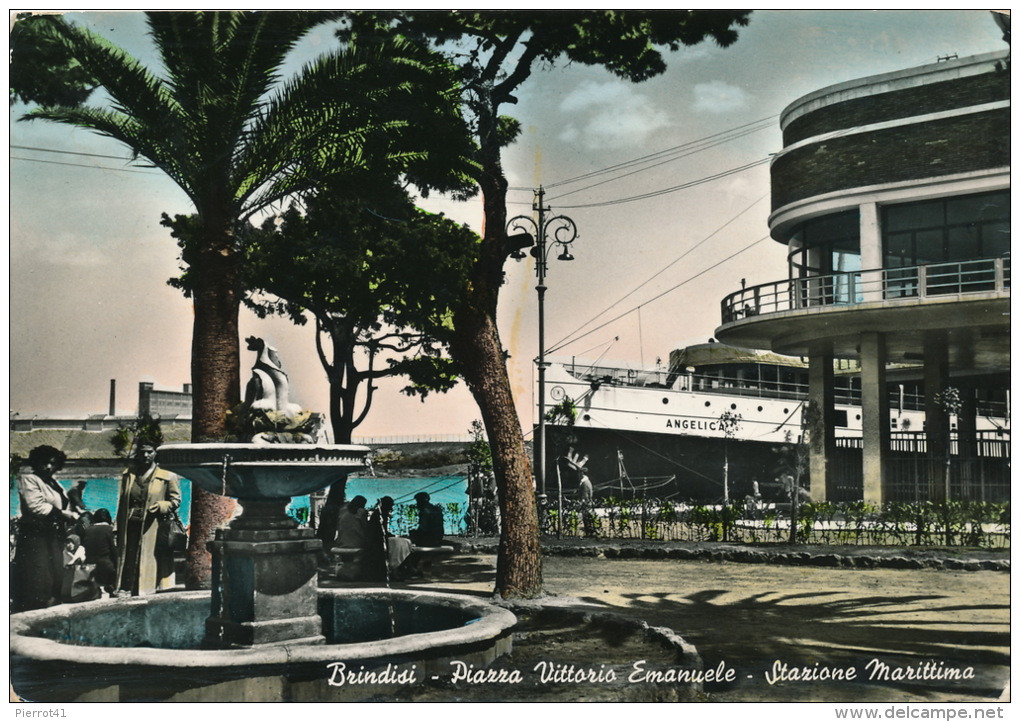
{"type": "Point", "coordinates": [519, 559]}
{"type": "Point", "coordinates": [478, 350]}
{"type": "Point", "coordinates": [341, 415]}
{"type": "Point", "coordinates": [215, 376]}
{"type": "Point", "coordinates": [476, 347]}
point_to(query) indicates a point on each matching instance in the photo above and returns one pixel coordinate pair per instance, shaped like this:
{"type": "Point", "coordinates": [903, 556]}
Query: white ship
{"type": "Point", "coordinates": [715, 418]}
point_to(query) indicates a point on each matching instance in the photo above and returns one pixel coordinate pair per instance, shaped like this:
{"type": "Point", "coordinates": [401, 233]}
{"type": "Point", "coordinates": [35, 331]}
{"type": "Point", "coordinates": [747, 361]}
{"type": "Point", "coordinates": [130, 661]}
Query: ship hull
{"type": "Point", "coordinates": [684, 468]}
{"type": "Point", "coordinates": [702, 439]}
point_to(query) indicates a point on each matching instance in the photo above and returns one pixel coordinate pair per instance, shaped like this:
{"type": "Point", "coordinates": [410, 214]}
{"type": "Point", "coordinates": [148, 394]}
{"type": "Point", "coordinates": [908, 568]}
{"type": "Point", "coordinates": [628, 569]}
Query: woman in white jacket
{"type": "Point", "coordinates": [46, 516]}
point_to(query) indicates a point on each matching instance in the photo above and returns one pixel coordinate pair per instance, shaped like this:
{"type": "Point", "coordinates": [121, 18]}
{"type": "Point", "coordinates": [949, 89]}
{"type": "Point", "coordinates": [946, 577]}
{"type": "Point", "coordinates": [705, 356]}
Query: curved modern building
{"type": "Point", "coordinates": [891, 195]}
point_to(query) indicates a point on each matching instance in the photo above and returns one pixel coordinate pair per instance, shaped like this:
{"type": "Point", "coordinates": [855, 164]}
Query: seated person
{"type": "Point", "coordinates": [388, 553]}
{"type": "Point", "coordinates": [430, 523]}
{"type": "Point", "coordinates": [352, 525]}
{"type": "Point", "coordinates": [101, 550]}
{"type": "Point", "coordinates": [352, 533]}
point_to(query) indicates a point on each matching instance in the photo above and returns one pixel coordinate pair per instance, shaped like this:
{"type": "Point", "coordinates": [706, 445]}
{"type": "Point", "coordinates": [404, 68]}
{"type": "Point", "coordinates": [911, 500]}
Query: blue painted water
{"type": "Point", "coordinates": [450, 492]}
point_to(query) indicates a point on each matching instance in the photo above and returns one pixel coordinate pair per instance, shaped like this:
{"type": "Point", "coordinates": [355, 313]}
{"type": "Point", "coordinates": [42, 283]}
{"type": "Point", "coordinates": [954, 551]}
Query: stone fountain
{"type": "Point", "coordinates": [266, 628]}
{"type": "Point", "coordinates": [264, 567]}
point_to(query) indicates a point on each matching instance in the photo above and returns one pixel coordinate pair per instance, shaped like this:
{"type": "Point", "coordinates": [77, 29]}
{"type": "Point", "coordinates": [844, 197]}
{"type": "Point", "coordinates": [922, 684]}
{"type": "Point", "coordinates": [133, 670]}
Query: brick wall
{"type": "Point", "coordinates": [924, 150]}
{"type": "Point", "coordinates": [947, 95]}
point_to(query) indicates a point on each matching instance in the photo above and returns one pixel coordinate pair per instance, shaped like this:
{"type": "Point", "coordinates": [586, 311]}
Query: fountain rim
{"type": "Point", "coordinates": [493, 622]}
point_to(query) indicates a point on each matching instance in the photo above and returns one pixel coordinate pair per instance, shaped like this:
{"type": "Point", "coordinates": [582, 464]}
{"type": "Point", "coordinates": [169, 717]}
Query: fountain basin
{"type": "Point", "coordinates": [147, 648]}
{"type": "Point", "coordinates": [262, 471]}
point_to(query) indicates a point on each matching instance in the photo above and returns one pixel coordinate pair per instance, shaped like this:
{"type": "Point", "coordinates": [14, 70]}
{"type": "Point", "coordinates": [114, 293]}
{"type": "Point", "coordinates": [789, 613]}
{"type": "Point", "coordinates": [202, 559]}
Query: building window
{"type": "Point", "coordinates": [828, 246]}
{"type": "Point", "coordinates": [947, 229]}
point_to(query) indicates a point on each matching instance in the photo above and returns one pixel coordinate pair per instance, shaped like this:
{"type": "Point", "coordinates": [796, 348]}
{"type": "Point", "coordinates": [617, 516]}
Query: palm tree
{"type": "Point", "coordinates": [221, 122]}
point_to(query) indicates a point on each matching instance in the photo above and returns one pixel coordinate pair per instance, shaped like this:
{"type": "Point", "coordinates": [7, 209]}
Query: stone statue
{"type": "Point", "coordinates": [269, 387]}
{"type": "Point", "coordinates": [267, 416]}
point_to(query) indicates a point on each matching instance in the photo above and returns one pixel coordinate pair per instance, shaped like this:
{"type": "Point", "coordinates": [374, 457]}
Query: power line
{"type": "Point", "coordinates": [69, 152]}
{"type": "Point", "coordinates": [681, 151]}
{"type": "Point", "coordinates": [566, 340]}
{"type": "Point", "coordinates": [672, 189]}
{"type": "Point", "coordinates": [664, 293]}
{"type": "Point", "coordinates": [626, 175]}
{"type": "Point", "coordinates": [83, 165]}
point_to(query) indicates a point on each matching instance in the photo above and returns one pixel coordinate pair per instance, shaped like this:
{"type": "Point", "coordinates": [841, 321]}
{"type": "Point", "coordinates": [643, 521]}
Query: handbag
{"type": "Point", "coordinates": [80, 583]}
{"type": "Point", "coordinates": [172, 534]}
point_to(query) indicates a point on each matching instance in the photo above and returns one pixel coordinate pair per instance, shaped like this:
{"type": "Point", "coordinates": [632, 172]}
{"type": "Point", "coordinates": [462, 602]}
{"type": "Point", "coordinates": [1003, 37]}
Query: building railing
{"type": "Point", "coordinates": [733, 384]}
{"type": "Point", "coordinates": [984, 443]}
{"type": "Point", "coordinates": [413, 439]}
{"type": "Point", "coordinates": [958, 278]}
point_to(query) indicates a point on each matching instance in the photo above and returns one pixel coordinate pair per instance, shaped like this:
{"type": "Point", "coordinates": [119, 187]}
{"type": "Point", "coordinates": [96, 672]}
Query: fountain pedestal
{"type": "Point", "coordinates": [265, 581]}
{"type": "Point", "coordinates": [264, 567]}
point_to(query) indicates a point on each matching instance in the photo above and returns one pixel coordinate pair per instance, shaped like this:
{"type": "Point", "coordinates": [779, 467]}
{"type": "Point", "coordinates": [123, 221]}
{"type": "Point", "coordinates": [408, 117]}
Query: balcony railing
{"type": "Point", "coordinates": [958, 278]}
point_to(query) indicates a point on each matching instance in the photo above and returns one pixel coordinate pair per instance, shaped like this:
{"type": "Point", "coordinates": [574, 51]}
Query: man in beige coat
{"type": "Point", "coordinates": [148, 495]}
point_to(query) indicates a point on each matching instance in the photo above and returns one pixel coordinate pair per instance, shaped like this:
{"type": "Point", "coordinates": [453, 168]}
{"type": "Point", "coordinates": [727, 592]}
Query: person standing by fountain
{"type": "Point", "coordinates": [46, 515]}
{"type": "Point", "coordinates": [148, 495]}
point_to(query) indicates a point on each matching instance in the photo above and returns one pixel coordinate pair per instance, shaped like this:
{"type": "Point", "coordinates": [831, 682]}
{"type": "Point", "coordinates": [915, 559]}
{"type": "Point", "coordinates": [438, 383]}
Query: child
{"type": "Point", "coordinates": [78, 584]}
{"type": "Point", "coordinates": [101, 550]}
{"type": "Point", "coordinates": [74, 552]}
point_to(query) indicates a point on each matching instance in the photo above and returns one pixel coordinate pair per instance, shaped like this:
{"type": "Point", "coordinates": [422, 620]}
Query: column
{"type": "Point", "coordinates": [874, 416]}
{"type": "Point", "coordinates": [871, 253]}
{"type": "Point", "coordinates": [967, 444]}
{"type": "Point", "coordinates": [820, 418]}
{"type": "Point", "coordinates": [936, 420]}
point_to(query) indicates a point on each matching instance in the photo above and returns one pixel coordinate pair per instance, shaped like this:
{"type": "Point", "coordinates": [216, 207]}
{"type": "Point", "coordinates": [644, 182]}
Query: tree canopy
{"type": "Point", "coordinates": [495, 53]}
{"type": "Point", "coordinates": [42, 70]}
{"type": "Point", "coordinates": [218, 117]}
{"type": "Point", "coordinates": [376, 274]}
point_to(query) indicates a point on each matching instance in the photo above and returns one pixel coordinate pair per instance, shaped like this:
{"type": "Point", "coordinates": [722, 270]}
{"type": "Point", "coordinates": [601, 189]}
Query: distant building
{"type": "Point", "coordinates": [892, 196]}
{"type": "Point", "coordinates": [158, 403]}
{"type": "Point", "coordinates": [172, 407]}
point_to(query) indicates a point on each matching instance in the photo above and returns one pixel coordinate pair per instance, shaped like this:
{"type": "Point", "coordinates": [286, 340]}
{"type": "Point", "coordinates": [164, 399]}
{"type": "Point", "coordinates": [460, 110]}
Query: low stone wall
{"type": "Point", "coordinates": [835, 556]}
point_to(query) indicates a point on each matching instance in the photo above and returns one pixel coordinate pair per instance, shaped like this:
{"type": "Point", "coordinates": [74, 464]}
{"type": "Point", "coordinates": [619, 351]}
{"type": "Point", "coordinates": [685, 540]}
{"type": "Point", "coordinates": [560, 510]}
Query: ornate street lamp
{"type": "Point", "coordinates": [542, 236]}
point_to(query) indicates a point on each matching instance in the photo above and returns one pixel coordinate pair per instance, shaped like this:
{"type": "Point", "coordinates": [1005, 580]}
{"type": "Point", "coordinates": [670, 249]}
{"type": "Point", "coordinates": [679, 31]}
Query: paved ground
{"type": "Point", "coordinates": [817, 618]}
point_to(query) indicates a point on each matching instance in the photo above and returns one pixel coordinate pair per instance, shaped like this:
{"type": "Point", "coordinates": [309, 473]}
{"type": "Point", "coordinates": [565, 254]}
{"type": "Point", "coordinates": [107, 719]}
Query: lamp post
{"type": "Point", "coordinates": [543, 234]}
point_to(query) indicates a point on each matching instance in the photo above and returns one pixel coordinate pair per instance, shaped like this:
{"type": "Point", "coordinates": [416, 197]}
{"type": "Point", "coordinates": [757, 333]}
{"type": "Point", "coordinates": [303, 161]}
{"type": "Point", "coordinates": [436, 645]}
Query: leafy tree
{"type": "Point", "coordinates": [43, 71]}
{"type": "Point", "coordinates": [496, 52]}
{"type": "Point", "coordinates": [478, 452]}
{"type": "Point", "coordinates": [128, 435]}
{"type": "Point", "coordinates": [220, 121]}
{"type": "Point", "coordinates": [375, 274]}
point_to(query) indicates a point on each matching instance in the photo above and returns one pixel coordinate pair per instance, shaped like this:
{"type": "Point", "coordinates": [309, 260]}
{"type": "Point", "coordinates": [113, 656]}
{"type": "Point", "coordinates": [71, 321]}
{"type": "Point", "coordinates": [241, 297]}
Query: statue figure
{"type": "Point", "coordinates": [269, 388]}
{"type": "Point", "coordinates": [267, 416]}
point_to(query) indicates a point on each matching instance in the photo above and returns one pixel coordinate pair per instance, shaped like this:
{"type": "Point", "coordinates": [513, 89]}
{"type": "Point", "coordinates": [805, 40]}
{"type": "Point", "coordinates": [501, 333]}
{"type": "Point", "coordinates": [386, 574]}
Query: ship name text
{"type": "Point", "coordinates": [692, 424]}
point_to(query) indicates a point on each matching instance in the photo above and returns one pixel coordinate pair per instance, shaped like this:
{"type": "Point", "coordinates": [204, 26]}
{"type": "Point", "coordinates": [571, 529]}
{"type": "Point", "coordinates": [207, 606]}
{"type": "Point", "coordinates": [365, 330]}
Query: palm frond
{"type": "Point", "coordinates": [378, 106]}
{"type": "Point", "coordinates": [124, 128]}
{"type": "Point", "coordinates": [132, 88]}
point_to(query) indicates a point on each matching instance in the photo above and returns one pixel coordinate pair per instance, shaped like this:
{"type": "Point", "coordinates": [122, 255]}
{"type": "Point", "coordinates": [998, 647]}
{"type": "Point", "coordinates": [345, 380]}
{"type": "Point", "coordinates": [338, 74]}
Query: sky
{"type": "Point", "coordinates": [660, 243]}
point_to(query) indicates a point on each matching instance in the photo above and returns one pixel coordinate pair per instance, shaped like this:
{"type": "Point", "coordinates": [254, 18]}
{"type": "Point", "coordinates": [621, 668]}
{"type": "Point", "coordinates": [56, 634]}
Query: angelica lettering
{"type": "Point", "coordinates": [692, 425]}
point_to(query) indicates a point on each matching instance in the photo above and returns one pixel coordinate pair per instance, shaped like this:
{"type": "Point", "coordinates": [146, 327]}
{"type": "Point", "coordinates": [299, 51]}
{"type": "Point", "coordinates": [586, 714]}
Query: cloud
{"type": "Point", "coordinates": [718, 97]}
{"type": "Point", "coordinates": [60, 249]}
{"type": "Point", "coordinates": [609, 114]}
